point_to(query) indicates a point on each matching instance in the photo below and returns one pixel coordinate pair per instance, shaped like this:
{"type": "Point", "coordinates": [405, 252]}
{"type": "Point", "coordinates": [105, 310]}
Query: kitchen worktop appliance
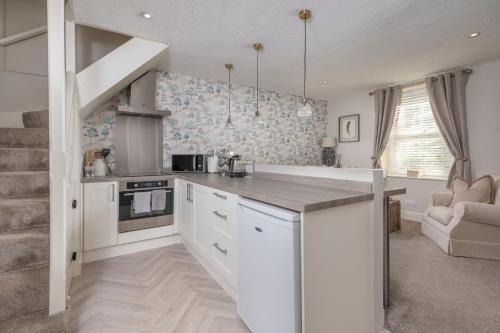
{"type": "Point", "coordinates": [189, 162]}
{"type": "Point", "coordinates": [156, 208]}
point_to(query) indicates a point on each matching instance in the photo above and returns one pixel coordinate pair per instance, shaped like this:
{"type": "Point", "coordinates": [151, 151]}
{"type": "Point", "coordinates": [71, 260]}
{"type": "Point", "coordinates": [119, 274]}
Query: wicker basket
{"type": "Point", "coordinates": [394, 215]}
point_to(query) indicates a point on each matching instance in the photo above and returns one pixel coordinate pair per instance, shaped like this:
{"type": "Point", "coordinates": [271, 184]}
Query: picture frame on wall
{"type": "Point", "coordinates": [349, 128]}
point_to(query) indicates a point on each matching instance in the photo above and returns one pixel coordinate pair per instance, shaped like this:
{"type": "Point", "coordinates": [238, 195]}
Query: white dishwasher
{"type": "Point", "coordinates": [269, 284]}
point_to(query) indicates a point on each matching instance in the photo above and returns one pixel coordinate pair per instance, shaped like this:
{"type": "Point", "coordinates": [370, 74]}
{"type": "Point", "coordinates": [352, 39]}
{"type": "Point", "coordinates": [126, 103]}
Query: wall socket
{"type": "Point", "coordinates": [411, 203]}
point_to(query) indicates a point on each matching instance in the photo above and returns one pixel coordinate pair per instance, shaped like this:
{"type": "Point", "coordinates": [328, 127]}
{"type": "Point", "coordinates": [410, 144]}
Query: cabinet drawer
{"type": "Point", "coordinates": [225, 200]}
{"type": "Point", "coordinates": [224, 256]}
{"type": "Point", "coordinates": [224, 221]}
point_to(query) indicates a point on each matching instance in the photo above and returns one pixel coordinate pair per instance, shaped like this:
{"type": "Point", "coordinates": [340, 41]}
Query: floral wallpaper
{"type": "Point", "coordinates": [97, 129]}
{"type": "Point", "coordinates": [199, 112]}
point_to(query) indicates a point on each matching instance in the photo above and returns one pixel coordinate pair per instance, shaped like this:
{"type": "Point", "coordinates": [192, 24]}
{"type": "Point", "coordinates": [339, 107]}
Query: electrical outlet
{"type": "Point", "coordinates": [411, 203]}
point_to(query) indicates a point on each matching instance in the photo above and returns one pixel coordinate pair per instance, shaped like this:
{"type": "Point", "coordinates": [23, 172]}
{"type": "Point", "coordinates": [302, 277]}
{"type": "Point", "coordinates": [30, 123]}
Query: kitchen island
{"type": "Point", "coordinates": [340, 236]}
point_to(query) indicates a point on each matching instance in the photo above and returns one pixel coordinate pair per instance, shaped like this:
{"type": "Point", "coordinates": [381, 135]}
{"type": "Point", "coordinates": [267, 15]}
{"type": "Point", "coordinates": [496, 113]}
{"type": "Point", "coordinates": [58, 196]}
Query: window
{"type": "Point", "coordinates": [415, 142]}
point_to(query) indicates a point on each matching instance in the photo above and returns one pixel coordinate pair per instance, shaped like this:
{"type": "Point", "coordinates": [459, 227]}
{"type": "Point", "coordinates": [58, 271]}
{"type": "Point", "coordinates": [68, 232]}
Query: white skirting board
{"type": "Point", "coordinates": [412, 216]}
{"type": "Point", "coordinates": [119, 250]}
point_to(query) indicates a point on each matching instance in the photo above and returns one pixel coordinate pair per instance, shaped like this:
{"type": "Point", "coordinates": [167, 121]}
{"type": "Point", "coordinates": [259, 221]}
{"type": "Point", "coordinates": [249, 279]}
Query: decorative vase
{"type": "Point", "coordinates": [329, 157]}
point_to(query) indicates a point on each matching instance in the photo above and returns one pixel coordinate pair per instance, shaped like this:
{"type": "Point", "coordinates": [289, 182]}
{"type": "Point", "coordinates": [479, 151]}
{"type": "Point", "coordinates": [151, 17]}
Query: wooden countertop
{"type": "Point", "coordinates": [293, 196]}
{"type": "Point", "coordinates": [390, 191]}
{"type": "Point", "coordinates": [114, 178]}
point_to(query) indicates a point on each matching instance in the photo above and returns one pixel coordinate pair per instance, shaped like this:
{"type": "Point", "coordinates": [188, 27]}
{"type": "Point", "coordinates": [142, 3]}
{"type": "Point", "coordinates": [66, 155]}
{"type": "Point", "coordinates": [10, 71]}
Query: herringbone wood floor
{"type": "Point", "coordinates": [163, 290]}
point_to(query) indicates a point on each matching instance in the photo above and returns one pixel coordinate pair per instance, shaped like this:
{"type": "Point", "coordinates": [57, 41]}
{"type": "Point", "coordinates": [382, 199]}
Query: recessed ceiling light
{"type": "Point", "coordinates": [324, 82]}
{"type": "Point", "coordinates": [146, 15]}
{"type": "Point", "coordinates": [474, 34]}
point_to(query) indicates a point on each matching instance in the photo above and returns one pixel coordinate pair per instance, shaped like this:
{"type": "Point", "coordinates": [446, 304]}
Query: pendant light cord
{"type": "Point", "coordinates": [257, 82]}
{"type": "Point", "coordinates": [229, 93]}
{"type": "Point", "coordinates": [305, 62]}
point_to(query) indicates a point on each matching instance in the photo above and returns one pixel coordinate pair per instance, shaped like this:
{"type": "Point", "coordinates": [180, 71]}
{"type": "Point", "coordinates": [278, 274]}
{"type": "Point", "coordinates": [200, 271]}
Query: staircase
{"type": "Point", "coordinates": [25, 228]}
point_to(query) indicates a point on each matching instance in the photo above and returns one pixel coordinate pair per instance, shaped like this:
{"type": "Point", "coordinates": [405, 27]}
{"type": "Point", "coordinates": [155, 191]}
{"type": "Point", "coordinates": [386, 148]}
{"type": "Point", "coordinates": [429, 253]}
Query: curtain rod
{"type": "Point", "coordinates": [415, 82]}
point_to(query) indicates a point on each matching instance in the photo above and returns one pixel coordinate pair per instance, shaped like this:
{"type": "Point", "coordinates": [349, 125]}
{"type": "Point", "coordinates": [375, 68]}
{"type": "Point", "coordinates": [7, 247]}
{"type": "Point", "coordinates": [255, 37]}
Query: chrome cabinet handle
{"type": "Point", "coordinates": [224, 217]}
{"type": "Point", "coordinates": [113, 192]}
{"type": "Point", "coordinates": [220, 196]}
{"type": "Point", "coordinates": [190, 192]}
{"type": "Point", "coordinates": [223, 251]}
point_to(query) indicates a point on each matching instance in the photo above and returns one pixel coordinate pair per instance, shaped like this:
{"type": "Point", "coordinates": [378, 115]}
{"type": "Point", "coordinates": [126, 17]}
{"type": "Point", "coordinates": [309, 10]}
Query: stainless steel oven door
{"type": "Point", "coordinates": [128, 220]}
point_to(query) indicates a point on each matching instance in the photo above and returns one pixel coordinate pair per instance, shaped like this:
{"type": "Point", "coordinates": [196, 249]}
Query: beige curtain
{"type": "Point", "coordinates": [447, 97]}
{"type": "Point", "coordinates": [386, 102]}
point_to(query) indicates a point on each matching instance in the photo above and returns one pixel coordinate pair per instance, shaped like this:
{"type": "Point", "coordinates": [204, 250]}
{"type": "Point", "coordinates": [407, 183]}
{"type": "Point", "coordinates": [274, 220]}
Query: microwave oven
{"type": "Point", "coordinates": [189, 162]}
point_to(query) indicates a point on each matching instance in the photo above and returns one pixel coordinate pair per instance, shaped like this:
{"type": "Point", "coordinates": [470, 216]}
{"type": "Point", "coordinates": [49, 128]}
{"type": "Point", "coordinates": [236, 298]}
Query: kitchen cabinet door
{"type": "Point", "coordinates": [202, 233]}
{"type": "Point", "coordinates": [186, 220]}
{"type": "Point", "coordinates": [100, 215]}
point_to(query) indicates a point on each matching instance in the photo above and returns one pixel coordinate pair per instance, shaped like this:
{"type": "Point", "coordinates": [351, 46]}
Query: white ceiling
{"type": "Point", "coordinates": [353, 44]}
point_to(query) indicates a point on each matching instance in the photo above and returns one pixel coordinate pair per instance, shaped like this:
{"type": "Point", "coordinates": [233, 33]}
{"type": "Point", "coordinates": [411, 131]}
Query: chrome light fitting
{"type": "Point", "coordinates": [229, 123]}
{"type": "Point", "coordinates": [257, 117]}
{"type": "Point", "coordinates": [305, 109]}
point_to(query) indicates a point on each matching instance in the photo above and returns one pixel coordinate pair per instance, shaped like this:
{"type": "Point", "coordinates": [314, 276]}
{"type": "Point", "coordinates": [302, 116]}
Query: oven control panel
{"type": "Point", "coordinates": [147, 184]}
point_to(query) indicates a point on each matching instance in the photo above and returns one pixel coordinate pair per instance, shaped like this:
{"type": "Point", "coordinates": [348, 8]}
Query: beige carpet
{"type": "Point", "coordinates": [433, 292]}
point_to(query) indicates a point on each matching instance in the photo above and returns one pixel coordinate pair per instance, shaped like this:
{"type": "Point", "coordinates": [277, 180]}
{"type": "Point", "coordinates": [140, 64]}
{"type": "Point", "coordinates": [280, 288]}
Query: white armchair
{"type": "Point", "coordinates": [469, 229]}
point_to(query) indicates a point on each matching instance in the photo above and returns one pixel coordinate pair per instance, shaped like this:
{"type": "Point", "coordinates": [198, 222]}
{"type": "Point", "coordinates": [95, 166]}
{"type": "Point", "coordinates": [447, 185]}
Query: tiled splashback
{"type": "Point", "coordinates": [199, 112]}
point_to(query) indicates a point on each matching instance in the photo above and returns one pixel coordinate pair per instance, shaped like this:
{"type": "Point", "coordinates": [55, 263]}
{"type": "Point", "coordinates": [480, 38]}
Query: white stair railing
{"type": "Point", "coordinates": [23, 35]}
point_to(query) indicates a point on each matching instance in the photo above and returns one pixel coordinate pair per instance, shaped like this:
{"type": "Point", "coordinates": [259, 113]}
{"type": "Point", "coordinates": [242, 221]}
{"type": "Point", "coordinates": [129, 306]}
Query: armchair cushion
{"type": "Point", "coordinates": [481, 190]}
{"type": "Point", "coordinates": [496, 178]}
{"type": "Point", "coordinates": [441, 198]}
{"type": "Point", "coordinates": [478, 212]}
{"type": "Point", "coordinates": [441, 214]}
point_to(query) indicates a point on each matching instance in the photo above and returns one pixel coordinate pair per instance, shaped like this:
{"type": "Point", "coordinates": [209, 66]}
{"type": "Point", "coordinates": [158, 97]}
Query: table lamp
{"type": "Point", "coordinates": [329, 144]}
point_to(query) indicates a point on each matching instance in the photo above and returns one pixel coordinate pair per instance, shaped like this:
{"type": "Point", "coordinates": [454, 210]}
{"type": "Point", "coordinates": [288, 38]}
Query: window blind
{"type": "Point", "coordinates": [415, 142]}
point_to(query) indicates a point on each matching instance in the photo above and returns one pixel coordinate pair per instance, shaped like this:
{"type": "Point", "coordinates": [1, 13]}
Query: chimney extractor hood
{"type": "Point", "coordinates": [142, 94]}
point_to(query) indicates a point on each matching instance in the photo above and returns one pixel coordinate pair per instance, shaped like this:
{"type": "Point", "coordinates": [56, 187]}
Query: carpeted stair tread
{"type": "Point", "coordinates": [38, 322]}
{"type": "Point", "coordinates": [24, 159]}
{"type": "Point", "coordinates": [24, 291]}
{"type": "Point", "coordinates": [24, 137]}
{"type": "Point", "coordinates": [34, 119]}
{"type": "Point", "coordinates": [25, 248]}
{"type": "Point", "coordinates": [25, 228]}
{"type": "Point", "coordinates": [19, 214]}
{"type": "Point", "coordinates": [24, 184]}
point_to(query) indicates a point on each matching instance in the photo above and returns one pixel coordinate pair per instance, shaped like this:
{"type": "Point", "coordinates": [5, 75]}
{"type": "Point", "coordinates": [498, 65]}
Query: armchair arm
{"type": "Point", "coordinates": [477, 212]}
{"type": "Point", "coordinates": [441, 198]}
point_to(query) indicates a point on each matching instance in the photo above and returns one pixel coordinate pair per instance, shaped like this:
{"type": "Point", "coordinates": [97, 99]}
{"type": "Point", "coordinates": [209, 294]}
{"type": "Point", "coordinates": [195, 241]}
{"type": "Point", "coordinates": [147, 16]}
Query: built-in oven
{"type": "Point", "coordinates": [189, 162]}
{"type": "Point", "coordinates": [145, 204]}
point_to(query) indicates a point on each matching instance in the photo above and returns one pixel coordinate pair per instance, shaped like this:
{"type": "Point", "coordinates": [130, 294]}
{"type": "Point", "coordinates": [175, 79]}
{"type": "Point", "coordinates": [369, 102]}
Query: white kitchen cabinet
{"type": "Point", "coordinates": [213, 217]}
{"type": "Point", "coordinates": [100, 215]}
{"type": "Point", "coordinates": [202, 233]}
{"type": "Point", "coordinates": [186, 214]}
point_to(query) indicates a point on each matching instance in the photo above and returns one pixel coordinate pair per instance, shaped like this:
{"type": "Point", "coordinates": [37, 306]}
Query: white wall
{"type": "Point", "coordinates": [483, 111]}
{"type": "Point", "coordinates": [23, 65]}
{"type": "Point", "coordinates": [353, 154]}
{"type": "Point", "coordinates": [92, 44]}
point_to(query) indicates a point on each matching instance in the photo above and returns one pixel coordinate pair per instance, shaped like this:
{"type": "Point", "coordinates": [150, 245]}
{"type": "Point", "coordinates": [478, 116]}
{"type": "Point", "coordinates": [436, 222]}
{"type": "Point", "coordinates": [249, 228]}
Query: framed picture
{"type": "Point", "coordinates": [349, 128]}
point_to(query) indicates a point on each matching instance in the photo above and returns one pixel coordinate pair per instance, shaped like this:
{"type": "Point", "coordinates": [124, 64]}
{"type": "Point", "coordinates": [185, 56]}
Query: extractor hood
{"type": "Point", "coordinates": [142, 93]}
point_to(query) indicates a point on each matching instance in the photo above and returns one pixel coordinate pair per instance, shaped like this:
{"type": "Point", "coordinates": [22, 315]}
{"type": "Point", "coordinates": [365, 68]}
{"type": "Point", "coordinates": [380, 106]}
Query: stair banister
{"type": "Point", "coordinates": [23, 35]}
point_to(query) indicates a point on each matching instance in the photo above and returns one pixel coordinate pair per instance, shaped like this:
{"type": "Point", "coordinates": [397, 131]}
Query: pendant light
{"type": "Point", "coordinates": [257, 119]}
{"type": "Point", "coordinates": [229, 123]}
{"type": "Point", "coordinates": [305, 109]}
